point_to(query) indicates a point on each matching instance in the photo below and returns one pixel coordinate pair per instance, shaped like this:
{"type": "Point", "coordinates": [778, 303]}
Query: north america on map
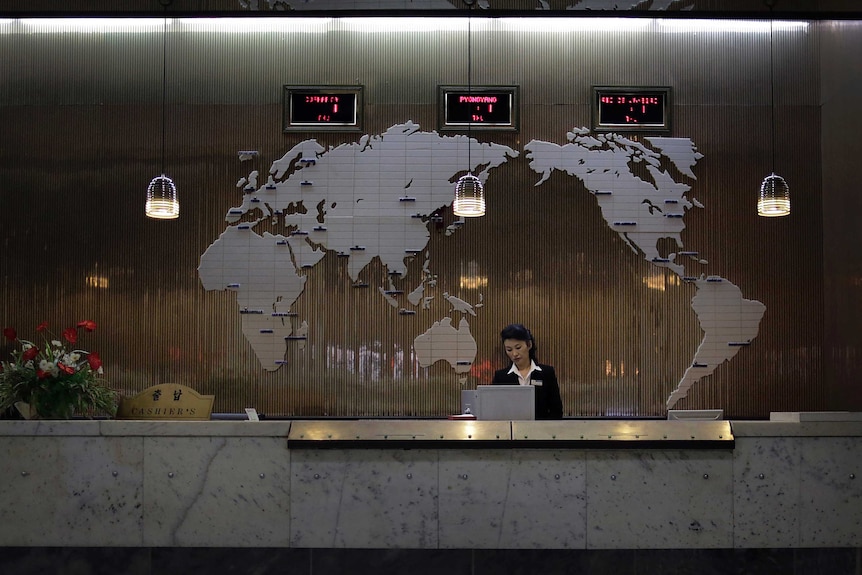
{"type": "Point", "coordinates": [642, 212]}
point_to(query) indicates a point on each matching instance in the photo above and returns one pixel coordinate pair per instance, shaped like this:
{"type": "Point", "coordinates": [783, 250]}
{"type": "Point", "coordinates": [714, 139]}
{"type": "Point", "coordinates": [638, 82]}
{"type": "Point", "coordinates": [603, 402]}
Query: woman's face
{"type": "Point", "coordinates": [518, 351]}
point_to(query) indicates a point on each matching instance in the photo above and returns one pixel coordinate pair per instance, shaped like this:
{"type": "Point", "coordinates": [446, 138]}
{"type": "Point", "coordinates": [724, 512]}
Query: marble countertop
{"type": "Point", "coordinates": [797, 429]}
{"type": "Point", "coordinates": [146, 428]}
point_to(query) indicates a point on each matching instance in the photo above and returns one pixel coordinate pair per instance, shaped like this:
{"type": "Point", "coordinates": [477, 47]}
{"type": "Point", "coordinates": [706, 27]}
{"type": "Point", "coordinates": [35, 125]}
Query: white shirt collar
{"type": "Point", "coordinates": [533, 367]}
{"type": "Point", "coordinates": [525, 380]}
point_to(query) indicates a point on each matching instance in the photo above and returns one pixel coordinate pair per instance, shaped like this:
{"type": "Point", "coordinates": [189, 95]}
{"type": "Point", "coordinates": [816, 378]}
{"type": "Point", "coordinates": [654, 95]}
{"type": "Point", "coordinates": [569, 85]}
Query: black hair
{"type": "Point", "coordinates": [521, 333]}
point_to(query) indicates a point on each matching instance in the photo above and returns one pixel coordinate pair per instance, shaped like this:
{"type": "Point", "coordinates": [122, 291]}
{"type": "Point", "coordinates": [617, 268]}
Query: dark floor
{"type": "Point", "coordinates": [214, 561]}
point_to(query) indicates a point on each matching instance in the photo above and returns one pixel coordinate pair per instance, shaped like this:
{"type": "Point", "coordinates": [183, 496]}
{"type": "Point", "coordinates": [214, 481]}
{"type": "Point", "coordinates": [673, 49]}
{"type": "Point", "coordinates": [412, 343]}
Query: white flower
{"type": "Point", "coordinates": [100, 371]}
{"type": "Point", "coordinates": [26, 346]}
{"type": "Point", "coordinates": [56, 343]}
{"type": "Point", "coordinates": [45, 365]}
{"type": "Point", "coordinates": [73, 357]}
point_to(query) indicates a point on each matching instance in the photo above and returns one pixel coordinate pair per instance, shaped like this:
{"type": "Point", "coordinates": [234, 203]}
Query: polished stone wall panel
{"type": "Point", "coordinates": [766, 492]}
{"type": "Point", "coordinates": [68, 491]}
{"type": "Point", "coordinates": [546, 501]}
{"type": "Point", "coordinates": [473, 493]}
{"type": "Point", "coordinates": [364, 498]}
{"type": "Point", "coordinates": [659, 499]}
{"type": "Point", "coordinates": [216, 491]}
{"type": "Point", "coordinates": [67, 484]}
{"type": "Point", "coordinates": [831, 492]}
{"type": "Point", "coordinates": [523, 499]}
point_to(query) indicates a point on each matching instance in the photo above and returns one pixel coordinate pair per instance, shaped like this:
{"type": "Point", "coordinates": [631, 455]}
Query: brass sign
{"type": "Point", "coordinates": [167, 401]}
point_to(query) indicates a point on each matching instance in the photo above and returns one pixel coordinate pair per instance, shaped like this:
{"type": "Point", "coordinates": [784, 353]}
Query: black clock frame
{"type": "Point", "coordinates": [293, 123]}
{"type": "Point", "coordinates": [596, 108]}
{"type": "Point", "coordinates": [447, 123]}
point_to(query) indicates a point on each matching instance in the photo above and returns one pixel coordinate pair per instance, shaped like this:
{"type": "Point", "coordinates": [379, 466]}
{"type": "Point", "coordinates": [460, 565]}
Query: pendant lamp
{"type": "Point", "coordinates": [469, 191]}
{"type": "Point", "coordinates": [162, 201]}
{"type": "Point", "coordinates": [774, 198]}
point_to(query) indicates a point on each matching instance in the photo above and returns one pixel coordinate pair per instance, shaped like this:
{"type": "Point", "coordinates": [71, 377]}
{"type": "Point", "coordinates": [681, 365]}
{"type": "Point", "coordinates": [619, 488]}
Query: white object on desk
{"type": "Point", "coordinates": [695, 414]}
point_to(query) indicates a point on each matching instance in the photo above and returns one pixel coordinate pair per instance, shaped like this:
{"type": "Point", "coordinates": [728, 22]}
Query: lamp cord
{"type": "Point", "coordinates": [165, 4]}
{"type": "Point", "coordinates": [469, 83]}
{"type": "Point", "coordinates": [164, 86]}
{"type": "Point", "coordinates": [771, 3]}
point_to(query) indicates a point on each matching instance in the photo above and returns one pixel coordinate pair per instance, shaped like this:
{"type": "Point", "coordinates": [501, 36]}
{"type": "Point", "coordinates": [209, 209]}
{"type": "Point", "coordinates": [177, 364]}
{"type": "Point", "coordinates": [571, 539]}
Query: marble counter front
{"type": "Point", "coordinates": [257, 484]}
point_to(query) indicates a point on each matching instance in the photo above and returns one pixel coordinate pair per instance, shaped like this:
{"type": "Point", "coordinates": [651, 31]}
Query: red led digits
{"type": "Point", "coordinates": [309, 109]}
{"type": "Point", "coordinates": [485, 108]}
{"type": "Point", "coordinates": [477, 99]}
{"type": "Point", "coordinates": [321, 99]}
{"type": "Point", "coordinates": [328, 108]}
{"type": "Point", "coordinates": [645, 100]}
{"type": "Point", "coordinates": [489, 109]}
{"type": "Point", "coordinates": [631, 108]}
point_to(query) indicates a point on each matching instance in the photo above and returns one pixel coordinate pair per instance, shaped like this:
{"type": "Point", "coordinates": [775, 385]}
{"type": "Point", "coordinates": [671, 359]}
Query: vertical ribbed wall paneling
{"type": "Point", "coordinates": [82, 111]}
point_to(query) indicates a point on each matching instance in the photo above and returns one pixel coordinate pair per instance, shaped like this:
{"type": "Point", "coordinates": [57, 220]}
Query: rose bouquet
{"type": "Point", "coordinates": [49, 381]}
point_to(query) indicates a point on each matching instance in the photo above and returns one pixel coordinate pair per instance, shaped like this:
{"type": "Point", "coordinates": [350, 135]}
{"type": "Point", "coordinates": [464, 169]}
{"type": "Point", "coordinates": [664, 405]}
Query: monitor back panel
{"type": "Point", "coordinates": [506, 402]}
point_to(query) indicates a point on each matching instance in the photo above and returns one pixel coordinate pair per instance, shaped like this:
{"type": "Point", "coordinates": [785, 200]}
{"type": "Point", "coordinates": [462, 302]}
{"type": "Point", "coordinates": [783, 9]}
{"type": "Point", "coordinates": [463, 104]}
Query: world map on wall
{"type": "Point", "coordinates": [377, 197]}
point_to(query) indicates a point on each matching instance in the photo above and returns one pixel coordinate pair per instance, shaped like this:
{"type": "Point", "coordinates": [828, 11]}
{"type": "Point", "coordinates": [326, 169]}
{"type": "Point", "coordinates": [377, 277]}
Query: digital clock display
{"type": "Point", "coordinates": [322, 108]}
{"type": "Point", "coordinates": [480, 108]}
{"type": "Point", "coordinates": [631, 109]}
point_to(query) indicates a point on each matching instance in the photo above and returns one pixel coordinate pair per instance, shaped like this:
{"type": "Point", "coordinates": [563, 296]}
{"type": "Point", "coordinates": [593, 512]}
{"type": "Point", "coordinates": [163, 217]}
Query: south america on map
{"type": "Point", "coordinates": [644, 211]}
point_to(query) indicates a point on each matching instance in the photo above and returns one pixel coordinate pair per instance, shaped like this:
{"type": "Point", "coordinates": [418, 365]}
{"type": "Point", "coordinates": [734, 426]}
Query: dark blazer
{"type": "Point", "coordinates": [549, 405]}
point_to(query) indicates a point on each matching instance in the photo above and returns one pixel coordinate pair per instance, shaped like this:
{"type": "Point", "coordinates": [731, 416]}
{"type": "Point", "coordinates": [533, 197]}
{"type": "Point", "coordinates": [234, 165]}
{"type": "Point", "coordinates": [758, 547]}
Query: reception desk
{"type": "Point", "coordinates": [431, 484]}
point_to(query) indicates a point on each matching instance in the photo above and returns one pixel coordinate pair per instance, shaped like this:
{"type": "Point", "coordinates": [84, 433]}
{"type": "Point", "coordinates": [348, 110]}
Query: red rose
{"type": "Point", "coordinates": [87, 324]}
{"type": "Point", "coordinates": [63, 367]}
{"type": "Point", "coordinates": [95, 361]}
{"type": "Point", "coordinates": [42, 374]}
{"type": "Point", "coordinates": [10, 333]}
{"type": "Point", "coordinates": [42, 326]}
{"type": "Point", "coordinates": [30, 353]}
{"type": "Point", "coordinates": [71, 334]}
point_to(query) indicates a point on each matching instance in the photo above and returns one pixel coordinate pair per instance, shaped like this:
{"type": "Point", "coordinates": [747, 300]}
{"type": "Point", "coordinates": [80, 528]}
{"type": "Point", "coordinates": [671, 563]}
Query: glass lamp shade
{"type": "Point", "coordinates": [774, 200]}
{"type": "Point", "coordinates": [162, 202]}
{"type": "Point", "coordinates": [469, 197]}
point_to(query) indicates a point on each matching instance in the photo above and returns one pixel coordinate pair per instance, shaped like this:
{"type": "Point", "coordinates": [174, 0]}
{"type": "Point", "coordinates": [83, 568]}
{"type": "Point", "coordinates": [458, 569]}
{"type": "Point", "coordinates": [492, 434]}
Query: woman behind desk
{"type": "Point", "coordinates": [521, 349]}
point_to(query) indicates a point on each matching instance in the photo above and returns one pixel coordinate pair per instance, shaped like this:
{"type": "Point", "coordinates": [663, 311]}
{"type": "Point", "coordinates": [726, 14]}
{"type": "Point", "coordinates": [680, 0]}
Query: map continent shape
{"type": "Point", "coordinates": [644, 212]}
{"type": "Point", "coordinates": [361, 200]}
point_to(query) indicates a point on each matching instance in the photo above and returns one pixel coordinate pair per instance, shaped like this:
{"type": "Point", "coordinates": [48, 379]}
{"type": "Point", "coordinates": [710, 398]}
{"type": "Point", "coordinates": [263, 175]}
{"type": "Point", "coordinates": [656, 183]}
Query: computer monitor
{"type": "Point", "coordinates": [505, 402]}
{"type": "Point", "coordinates": [469, 401]}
